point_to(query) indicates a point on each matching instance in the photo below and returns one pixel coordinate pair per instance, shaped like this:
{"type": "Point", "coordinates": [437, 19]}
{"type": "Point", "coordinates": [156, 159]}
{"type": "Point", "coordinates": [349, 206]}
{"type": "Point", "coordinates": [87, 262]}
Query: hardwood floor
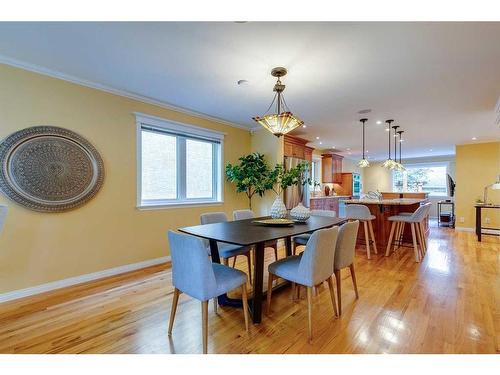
{"type": "Point", "coordinates": [449, 303]}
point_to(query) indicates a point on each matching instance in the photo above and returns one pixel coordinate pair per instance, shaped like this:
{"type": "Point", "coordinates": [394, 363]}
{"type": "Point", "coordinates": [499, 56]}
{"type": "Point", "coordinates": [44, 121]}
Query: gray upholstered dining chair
{"type": "Point", "coordinates": [248, 214]}
{"type": "Point", "coordinates": [226, 250]}
{"type": "Point", "coordinates": [309, 269]}
{"type": "Point", "coordinates": [301, 239]}
{"type": "Point", "coordinates": [344, 256]}
{"type": "Point", "coordinates": [415, 220]}
{"type": "Point", "coordinates": [194, 275]}
{"type": "Point", "coordinates": [362, 213]}
{"type": "Point", "coordinates": [3, 216]}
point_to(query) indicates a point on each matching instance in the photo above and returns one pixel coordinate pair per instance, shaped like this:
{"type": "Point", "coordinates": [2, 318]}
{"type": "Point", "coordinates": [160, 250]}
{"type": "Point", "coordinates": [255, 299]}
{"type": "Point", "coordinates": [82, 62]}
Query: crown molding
{"type": "Point", "coordinates": [126, 94]}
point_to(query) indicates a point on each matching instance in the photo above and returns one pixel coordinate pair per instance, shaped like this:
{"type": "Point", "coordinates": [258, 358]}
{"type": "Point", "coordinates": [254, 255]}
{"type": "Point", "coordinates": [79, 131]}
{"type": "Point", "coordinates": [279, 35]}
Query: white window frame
{"type": "Point", "coordinates": [445, 164]}
{"type": "Point", "coordinates": [183, 132]}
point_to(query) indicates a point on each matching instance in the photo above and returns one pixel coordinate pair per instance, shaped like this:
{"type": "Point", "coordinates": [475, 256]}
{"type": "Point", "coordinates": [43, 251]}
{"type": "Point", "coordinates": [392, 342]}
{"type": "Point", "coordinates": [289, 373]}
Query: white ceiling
{"type": "Point", "coordinates": [439, 81]}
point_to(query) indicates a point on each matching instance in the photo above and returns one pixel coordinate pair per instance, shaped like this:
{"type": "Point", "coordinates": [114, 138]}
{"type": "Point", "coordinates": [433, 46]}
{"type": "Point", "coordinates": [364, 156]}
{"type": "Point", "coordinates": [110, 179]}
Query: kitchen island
{"type": "Point", "coordinates": [382, 209]}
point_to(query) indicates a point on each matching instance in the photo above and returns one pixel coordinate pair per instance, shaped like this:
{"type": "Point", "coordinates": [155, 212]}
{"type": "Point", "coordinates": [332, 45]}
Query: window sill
{"type": "Point", "coordinates": [166, 206]}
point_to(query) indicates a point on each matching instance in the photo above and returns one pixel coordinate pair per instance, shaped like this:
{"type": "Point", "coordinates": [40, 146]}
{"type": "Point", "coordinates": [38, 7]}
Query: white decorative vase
{"type": "Point", "coordinates": [300, 212]}
{"type": "Point", "coordinates": [278, 209]}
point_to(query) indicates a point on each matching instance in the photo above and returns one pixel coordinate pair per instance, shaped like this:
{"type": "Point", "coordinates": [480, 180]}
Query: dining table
{"type": "Point", "coordinates": [251, 233]}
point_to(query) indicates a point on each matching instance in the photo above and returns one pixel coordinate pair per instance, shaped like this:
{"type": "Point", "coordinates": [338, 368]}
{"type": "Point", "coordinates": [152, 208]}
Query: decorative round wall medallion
{"type": "Point", "coordinates": [49, 169]}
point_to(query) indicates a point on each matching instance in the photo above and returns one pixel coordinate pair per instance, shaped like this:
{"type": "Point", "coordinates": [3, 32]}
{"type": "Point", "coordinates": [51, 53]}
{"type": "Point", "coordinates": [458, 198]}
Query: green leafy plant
{"type": "Point", "coordinates": [282, 178]}
{"type": "Point", "coordinates": [252, 175]}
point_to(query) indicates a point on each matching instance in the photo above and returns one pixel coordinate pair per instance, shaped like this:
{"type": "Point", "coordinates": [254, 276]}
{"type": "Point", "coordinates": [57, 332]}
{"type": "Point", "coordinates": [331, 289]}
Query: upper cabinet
{"type": "Point", "coordinates": [331, 166]}
{"type": "Point", "coordinates": [296, 147]}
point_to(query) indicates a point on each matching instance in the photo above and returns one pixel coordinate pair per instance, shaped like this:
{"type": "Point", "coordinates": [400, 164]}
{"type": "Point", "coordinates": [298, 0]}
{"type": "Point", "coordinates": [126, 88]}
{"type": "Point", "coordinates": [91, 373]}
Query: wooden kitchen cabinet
{"type": "Point", "coordinates": [296, 147]}
{"type": "Point", "coordinates": [331, 165]}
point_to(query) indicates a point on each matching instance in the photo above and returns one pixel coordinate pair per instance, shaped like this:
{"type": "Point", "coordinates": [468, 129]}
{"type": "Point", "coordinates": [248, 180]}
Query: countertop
{"type": "Point", "coordinates": [331, 196]}
{"type": "Point", "coordinates": [387, 202]}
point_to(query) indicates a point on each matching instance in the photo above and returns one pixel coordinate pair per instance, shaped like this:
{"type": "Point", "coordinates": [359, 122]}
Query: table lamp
{"type": "Point", "coordinates": [494, 186]}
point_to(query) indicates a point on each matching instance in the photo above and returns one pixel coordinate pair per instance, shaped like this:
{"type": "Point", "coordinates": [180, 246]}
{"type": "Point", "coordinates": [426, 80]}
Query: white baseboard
{"type": "Point", "coordinates": [16, 294]}
{"type": "Point", "coordinates": [464, 229]}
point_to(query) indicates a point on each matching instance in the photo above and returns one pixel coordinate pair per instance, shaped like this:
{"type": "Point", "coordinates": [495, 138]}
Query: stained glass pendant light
{"type": "Point", "coordinates": [363, 163]}
{"type": "Point", "coordinates": [279, 123]}
{"type": "Point", "coordinates": [389, 163]}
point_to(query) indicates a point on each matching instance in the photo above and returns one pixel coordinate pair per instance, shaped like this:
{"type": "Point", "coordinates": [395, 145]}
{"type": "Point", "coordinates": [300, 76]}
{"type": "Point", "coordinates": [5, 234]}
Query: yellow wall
{"type": "Point", "coordinates": [109, 231]}
{"type": "Point", "coordinates": [477, 165]}
{"type": "Point", "coordinates": [271, 146]}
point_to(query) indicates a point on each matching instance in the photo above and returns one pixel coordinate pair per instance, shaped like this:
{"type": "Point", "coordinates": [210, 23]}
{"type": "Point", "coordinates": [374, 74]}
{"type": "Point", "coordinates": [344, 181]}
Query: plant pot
{"type": "Point", "coordinates": [278, 209]}
{"type": "Point", "coordinates": [300, 212]}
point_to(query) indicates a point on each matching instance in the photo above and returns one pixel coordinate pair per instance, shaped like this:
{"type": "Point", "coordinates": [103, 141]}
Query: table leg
{"type": "Point", "coordinates": [288, 246]}
{"type": "Point", "coordinates": [223, 299]}
{"type": "Point", "coordinates": [258, 280]}
{"type": "Point", "coordinates": [478, 223]}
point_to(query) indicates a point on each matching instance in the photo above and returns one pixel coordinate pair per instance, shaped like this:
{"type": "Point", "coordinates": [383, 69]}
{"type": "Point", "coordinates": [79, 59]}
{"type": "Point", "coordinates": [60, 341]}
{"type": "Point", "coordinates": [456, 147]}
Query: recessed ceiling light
{"type": "Point", "coordinates": [379, 122]}
{"type": "Point", "coordinates": [430, 149]}
{"type": "Point", "coordinates": [474, 138]}
{"type": "Point", "coordinates": [333, 146]}
{"type": "Point", "coordinates": [367, 151]}
{"type": "Point", "coordinates": [387, 129]}
{"type": "Point", "coordinates": [348, 149]}
{"type": "Point", "coordinates": [242, 82]}
{"type": "Point", "coordinates": [304, 126]}
{"type": "Point", "coordinates": [317, 137]}
{"type": "Point", "coordinates": [320, 143]}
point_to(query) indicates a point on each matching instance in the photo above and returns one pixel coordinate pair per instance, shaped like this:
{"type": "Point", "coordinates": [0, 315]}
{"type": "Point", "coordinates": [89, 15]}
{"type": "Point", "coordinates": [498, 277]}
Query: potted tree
{"type": "Point", "coordinates": [251, 176]}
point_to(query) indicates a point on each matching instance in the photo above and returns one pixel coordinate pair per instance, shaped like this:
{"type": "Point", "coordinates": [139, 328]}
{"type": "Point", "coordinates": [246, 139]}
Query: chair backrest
{"type": "Point", "coordinates": [420, 213]}
{"type": "Point", "coordinates": [243, 214]}
{"type": "Point", "coordinates": [192, 271]}
{"type": "Point", "coordinates": [346, 245]}
{"type": "Point", "coordinates": [213, 217]}
{"type": "Point", "coordinates": [3, 216]}
{"type": "Point", "coordinates": [326, 213]}
{"type": "Point", "coordinates": [316, 264]}
{"type": "Point", "coordinates": [357, 211]}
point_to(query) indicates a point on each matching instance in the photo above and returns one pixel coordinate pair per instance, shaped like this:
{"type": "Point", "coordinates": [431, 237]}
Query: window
{"type": "Point", "coordinates": [315, 173]}
{"type": "Point", "coordinates": [177, 164]}
{"type": "Point", "coordinates": [428, 178]}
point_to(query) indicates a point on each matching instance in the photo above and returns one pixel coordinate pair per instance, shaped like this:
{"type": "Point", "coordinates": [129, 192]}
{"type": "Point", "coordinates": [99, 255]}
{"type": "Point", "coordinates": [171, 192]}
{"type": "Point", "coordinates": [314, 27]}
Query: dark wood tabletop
{"type": "Point", "coordinates": [246, 232]}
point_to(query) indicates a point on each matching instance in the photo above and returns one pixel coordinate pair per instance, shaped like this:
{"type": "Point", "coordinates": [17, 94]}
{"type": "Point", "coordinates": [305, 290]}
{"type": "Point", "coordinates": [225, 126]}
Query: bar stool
{"type": "Point", "coordinates": [302, 239]}
{"type": "Point", "coordinates": [420, 230]}
{"type": "Point", "coordinates": [416, 222]}
{"type": "Point", "coordinates": [363, 214]}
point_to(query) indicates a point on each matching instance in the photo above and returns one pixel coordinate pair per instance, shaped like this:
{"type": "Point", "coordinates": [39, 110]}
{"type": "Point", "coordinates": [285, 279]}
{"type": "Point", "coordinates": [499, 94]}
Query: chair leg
{"type": "Point", "coordinates": [401, 234]}
{"type": "Point", "coordinates": [244, 298]}
{"type": "Point", "coordinates": [415, 247]}
{"type": "Point", "coordinates": [367, 239]}
{"type": "Point", "coordinates": [294, 290]}
{"type": "Point", "coordinates": [309, 313]}
{"type": "Point", "coordinates": [332, 296]}
{"type": "Point", "coordinates": [249, 268]}
{"type": "Point", "coordinates": [298, 291]}
{"type": "Point", "coordinates": [204, 324]}
{"type": "Point", "coordinates": [388, 249]}
{"type": "Point", "coordinates": [419, 241]}
{"type": "Point", "coordinates": [215, 304]}
{"type": "Point", "coordinates": [397, 236]}
{"type": "Point", "coordinates": [354, 283]}
{"type": "Point", "coordinates": [422, 234]}
{"type": "Point", "coordinates": [269, 293]}
{"type": "Point", "coordinates": [370, 226]}
{"type": "Point", "coordinates": [339, 295]}
{"type": "Point", "coordinates": [275, 247]}
{"type": "Point", "coordinates": [173, 310]}
{"type": "Point", "coordinates": [234, 261]}
{"type": "Point", "coordinates": [294, 248]}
